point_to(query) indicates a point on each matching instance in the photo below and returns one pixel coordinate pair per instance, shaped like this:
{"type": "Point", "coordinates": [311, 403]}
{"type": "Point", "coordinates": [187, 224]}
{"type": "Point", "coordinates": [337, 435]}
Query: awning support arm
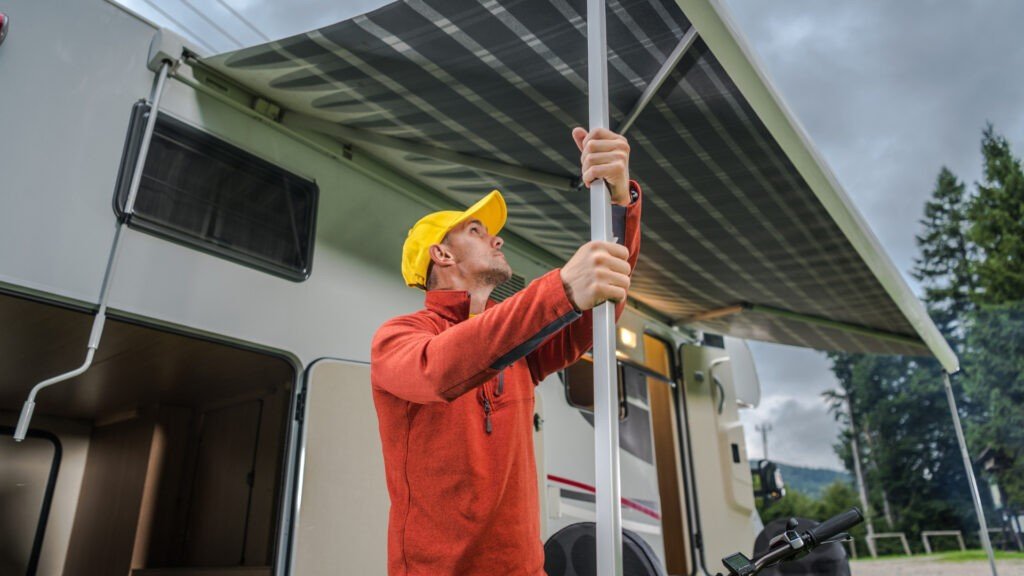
{"type": "Point", "coordinates": [969, 469]}
{"type": "Point", "coordinates": [606, 405]}
{"type": "Point", "coordinates": [655, 84]}
{"type": "Point", "coordinates": [297, 120]}
{"type": "Point", "coordinates": [115, 249]}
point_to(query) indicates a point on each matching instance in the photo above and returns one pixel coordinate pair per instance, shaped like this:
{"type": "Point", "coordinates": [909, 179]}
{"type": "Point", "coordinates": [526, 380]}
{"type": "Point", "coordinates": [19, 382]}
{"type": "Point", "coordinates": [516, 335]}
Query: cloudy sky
{"type": "Point", "coordinates": [888, 91]}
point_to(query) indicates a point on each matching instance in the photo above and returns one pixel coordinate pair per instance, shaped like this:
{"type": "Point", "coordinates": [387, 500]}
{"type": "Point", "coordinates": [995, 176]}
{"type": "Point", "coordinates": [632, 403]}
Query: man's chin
{"type": "Point", "coordinates": [497, 276]}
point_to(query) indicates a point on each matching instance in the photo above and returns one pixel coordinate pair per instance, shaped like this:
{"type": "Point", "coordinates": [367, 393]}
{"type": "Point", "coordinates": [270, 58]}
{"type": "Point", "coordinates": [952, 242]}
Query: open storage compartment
{"type": "Point", "coordinates": [181, 445]}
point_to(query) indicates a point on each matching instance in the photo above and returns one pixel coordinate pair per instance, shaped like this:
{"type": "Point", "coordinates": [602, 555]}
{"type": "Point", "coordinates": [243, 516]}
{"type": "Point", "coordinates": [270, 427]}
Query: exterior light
{"type": "Point", "coordinates": [627, 337]}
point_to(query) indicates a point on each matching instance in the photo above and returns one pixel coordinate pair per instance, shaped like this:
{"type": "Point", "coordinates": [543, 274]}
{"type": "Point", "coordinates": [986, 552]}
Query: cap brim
{"type": "Point", "coordinates": [489, 210]}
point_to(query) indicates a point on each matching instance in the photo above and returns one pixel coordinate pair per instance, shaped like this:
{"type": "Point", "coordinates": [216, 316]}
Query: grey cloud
{"type": "Point", "coordinates": [791, 371]}
{"type": "Point", "coordinates": [802, 433]}
{"type": "Point", "coordinates": [792, 381]}
{"type": "Point", "coordinates": [891, 91]}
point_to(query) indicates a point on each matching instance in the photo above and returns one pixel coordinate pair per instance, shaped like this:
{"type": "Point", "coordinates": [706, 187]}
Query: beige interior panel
{"type": "Point", "coordinates": [343, 512]}
{"type": "Point", "coordinates": [220, 497]}
{"type": "Point", "coordinates": [74, 439]}
{"type": "Point", "coordinates": [112, 491]}
{"type": "Point", "coordinates": [24, 475]}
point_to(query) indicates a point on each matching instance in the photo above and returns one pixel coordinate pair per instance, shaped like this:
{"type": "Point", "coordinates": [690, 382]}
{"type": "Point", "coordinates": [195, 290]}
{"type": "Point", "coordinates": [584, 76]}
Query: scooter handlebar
{"type": "Point", "coordinates": [835, 525]}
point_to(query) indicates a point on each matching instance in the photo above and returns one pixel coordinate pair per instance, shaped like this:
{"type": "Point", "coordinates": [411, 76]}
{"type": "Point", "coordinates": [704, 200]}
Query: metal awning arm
{"type": "Point", "coordinates": [655, 84]}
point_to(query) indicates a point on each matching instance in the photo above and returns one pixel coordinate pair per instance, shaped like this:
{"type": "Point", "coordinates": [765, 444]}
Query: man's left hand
{"type": "Point", "coordinates": [604, 154]}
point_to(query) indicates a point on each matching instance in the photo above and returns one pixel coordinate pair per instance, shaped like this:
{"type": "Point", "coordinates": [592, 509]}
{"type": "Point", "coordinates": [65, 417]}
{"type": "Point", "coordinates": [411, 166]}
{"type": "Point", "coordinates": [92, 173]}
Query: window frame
{"type": "Point", "coordinates": [623, 400]}
{"type": "Point", "coordinates": [136, 127]}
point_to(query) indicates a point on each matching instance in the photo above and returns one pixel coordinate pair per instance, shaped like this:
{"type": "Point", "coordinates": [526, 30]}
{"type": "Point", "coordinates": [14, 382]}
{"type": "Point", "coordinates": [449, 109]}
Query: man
{"type": "Point", "coordinates": [454, 383]}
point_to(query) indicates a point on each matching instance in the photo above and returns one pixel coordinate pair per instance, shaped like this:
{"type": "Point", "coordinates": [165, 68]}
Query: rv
{"type": "Point", "coordinates": [196, 249]}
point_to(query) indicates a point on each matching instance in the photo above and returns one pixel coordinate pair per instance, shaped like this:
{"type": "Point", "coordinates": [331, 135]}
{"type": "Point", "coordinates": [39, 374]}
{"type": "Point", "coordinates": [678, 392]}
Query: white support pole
{"type": "Point", "coordinates": [969, 468]}
{"type": "Point", "coordinates": [862, 491]}
{"type": "Point", "coordinates": [606, 401]}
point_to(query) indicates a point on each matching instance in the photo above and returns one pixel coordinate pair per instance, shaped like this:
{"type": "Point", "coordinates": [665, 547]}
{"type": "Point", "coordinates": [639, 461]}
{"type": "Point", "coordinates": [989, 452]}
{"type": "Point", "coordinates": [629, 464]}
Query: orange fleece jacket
{"type": "Point", "coordinates": [455, 405]}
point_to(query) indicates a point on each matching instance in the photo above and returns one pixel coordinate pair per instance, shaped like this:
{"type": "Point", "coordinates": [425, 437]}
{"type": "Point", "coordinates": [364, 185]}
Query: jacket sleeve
{"type": "Point", "coordinates": [566, 347]}
{"type": "Point", "coordinates": [412, 359]}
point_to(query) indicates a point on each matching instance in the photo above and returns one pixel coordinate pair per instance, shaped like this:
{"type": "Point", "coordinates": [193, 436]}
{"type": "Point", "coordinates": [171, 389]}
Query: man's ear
{"type": "Point", "coordinates": [441, 256]}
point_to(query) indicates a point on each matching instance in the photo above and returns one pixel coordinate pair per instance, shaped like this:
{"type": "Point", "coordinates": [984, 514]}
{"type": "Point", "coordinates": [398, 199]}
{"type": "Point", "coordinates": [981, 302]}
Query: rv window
{"type": "Point", "coordinates": [203, 192]}
{"type": "Point", "coordinates": [579, 386]}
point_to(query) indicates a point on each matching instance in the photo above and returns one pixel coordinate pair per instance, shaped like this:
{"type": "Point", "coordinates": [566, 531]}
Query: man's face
{"type": "Point", "coordinates": [478, 254]}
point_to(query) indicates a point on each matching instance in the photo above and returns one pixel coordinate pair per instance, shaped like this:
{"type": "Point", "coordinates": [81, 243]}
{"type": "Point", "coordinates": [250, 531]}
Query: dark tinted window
{"type": "Point", "coordinates": [579, 386]}
{"type": "Point", "coordinates": [202, 191]}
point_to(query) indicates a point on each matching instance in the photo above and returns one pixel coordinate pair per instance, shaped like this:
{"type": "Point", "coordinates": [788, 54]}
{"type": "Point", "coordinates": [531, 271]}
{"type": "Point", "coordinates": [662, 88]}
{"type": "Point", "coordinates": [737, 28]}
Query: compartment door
{"type": "Point", "coordinates": [342, 506]}
{"type": "Point", "coordinates": [722, 472]}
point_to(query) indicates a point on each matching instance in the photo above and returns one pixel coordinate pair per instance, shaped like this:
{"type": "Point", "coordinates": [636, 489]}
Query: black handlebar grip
{"type": "Point", "coordinates": [835, 525]}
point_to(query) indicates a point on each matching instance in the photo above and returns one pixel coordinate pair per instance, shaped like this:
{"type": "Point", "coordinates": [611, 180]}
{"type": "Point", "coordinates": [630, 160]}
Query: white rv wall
{"type": "Point", "coordinates": [78, 68]}
{"type": "Point", "coordinates": [70, 71]}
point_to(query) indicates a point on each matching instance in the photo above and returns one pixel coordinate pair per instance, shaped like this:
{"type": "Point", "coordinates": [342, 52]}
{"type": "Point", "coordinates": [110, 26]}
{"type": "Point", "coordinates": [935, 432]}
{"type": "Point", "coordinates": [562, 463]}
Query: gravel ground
{"type": "Point", "coordinates": [929, 567]}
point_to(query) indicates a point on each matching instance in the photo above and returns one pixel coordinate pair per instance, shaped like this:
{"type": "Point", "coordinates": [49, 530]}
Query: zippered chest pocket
{"type": "Point", "coordinates": [513, 384]}
{"type": "Point", "coordinates": [508, 387]}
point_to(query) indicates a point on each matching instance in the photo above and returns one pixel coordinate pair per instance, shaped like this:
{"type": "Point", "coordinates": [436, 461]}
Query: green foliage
{"type": "Point", "coordinates": [944, 266]}
{"type": "Point", "coordinates": [909, 455]}
{"type": "Point", "coordinates": [997, 223]}
{"type": "Point", "coordinates": [971, 266]}
{"type": "Point", "coordinates": [810, 481]}
{"type": "Point", "coordinates": [839, 496]}
{"type": "Point", "coordinates": [995, 381]}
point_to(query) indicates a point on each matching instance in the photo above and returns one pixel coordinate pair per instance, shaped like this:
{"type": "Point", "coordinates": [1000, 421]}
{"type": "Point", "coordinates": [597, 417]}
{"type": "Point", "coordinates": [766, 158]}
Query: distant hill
{"type": "Point", "coordinates": [810, 481]}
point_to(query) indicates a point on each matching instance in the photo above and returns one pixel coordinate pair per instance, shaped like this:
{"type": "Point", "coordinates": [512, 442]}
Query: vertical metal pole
{"type": "Point", "coordinates": [861, 488]}
{"type": "Point", "coordinates": [606, 401]}
{"type": "Point", "coordinates": [985, 542]}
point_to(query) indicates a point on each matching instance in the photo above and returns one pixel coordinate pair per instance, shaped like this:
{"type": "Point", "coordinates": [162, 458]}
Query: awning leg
{"type": "Point", "coordinates": [606, 401]}
{"type": "Point", "coordinates": [969, 468]}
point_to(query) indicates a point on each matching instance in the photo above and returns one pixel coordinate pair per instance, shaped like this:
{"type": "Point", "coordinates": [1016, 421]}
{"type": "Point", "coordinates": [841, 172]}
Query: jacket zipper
{"type": "Point", "coordinates": [485, 399]}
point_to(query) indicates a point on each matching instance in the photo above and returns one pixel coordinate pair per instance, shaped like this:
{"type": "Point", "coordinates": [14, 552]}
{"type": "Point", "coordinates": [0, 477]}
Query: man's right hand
{"type": "Point", "coordinates": [597, 272]}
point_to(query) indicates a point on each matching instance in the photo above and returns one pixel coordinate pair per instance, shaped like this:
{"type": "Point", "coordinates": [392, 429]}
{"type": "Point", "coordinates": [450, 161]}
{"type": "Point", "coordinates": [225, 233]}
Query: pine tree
{"type": "Point", "coordinates": [994, 351]}
{"type": "Point", "coordinates": [997, 223]}
{"type": "Point", "coordinates": [945, 265]}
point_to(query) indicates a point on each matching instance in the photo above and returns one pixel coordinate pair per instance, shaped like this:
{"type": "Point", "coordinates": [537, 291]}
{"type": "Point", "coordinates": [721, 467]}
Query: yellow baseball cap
{"type": "Point", "coordinates": [432, 228]}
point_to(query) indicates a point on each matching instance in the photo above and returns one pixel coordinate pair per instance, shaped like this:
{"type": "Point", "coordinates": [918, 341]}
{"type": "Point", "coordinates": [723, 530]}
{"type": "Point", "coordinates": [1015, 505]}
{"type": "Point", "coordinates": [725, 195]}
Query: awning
{"type": "Point", "coordinates": [746, 231]}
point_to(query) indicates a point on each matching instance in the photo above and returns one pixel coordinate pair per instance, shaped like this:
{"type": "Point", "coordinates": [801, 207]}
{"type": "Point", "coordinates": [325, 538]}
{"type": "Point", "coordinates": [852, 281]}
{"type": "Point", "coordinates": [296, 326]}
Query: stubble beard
{"type": "Point", "coordinates": [496, 276]}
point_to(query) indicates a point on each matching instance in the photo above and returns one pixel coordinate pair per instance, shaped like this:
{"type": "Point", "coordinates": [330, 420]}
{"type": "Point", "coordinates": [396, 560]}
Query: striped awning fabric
{"type": "Point", "coordinates": [729, 223]}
